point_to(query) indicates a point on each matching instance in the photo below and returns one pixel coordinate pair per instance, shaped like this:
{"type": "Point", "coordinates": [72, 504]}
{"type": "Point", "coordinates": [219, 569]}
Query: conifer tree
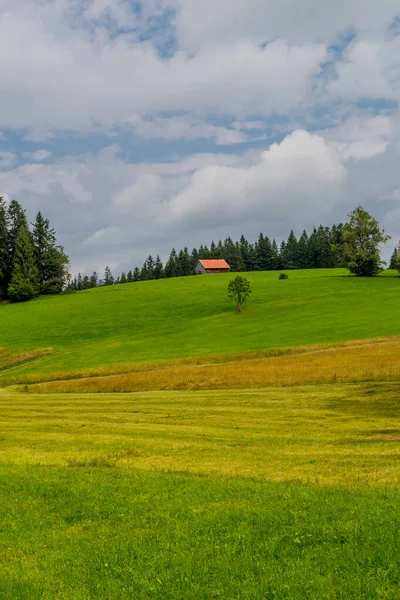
{"type": "Point", "coordinates": [171, 268]}
{"type": "Point", "coordinates": [3, 250]}
{"type": "Point", "coordinates": [129, 276]}
{"type": "Point", "coordinates": [16, 218]}
{"type": "Point", "coordinates": [108, 277]}
{"type": "Point", "coordinates": [393, 259]}
{"type": "Point", "coordinates": [136, 274]}
{"type": "Point", "coordinates": [24, 283]}
{"type": "Point", "coordinates": [51, 260]}
{"type": "Point", "coordinates": [158, 268]}
{"type": "Point", "coordinates": [123, 278]}
{"type": "Point", "coordinates": [302, 251]}
{"type": "Point", "coordinates": [94, 279]}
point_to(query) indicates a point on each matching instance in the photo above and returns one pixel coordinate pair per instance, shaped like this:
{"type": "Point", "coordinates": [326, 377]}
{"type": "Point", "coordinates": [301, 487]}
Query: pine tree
{"type": "Point", "coordinates": [264, 254]}
{"type": "Point", "coordinates": [136, 274]}
{"type": "Point", "coordinates": [108, 276]}
{"type": "Point", "coordinates": [393, 259]}
{"type": "Point", "coordinates": [275, 255]}
{"type": "Point", "coordinates": [185, 265]}
{"type": "Point", "coordinates": [158, 268]}
{"type": "Point", "coordinates": [94, 280]}
{"type": "Point", "coordinates": [171, 268]}
{"type": "Point", "coordinates": [123, 278]}
{"type": "Point", "coordinates": [194, 259]}
{"type": "Point", "coordinates": [3, 249]}
{"type": "Point", "coordinates": [302, 251]}
{"type": "Point", "coordinates": [86, 283]}
{"type": "Point", "coordinates": [24, 283]}
{"type": "Point", "coordinates": [51, 260]}
{"type": "Point", "coordinates": [291, 251]}
{"type": "Point", "coordinates": [16, 218]}
{"type": "Point", "coordinates": [79, 285]}
{"type": "Point", "coordinates": [129, 276]}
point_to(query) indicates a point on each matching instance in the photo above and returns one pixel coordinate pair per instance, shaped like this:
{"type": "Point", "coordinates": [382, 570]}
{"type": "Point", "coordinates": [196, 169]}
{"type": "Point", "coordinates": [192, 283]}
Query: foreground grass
{"type": "Point", "coordinates": [68, 533]}
{"type": "Point", "coordinates": [285, 493]}
{"type": "Point", "coordinates": [368, 360]}
{"type": "Point", "coordinates": [193, 317]}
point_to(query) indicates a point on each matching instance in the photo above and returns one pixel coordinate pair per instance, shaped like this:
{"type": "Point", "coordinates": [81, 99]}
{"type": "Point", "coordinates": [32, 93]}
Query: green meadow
{"type": "Point", "coordinates": [193, 317]}
{"type": "Point", "coordinates": [265, 482]}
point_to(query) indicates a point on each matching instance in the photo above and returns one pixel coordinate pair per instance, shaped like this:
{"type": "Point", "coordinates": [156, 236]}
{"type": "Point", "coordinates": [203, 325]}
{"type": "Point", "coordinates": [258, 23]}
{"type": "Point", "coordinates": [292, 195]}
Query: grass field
{"type": "Point", "coordinates": [250, 457]}
{"type": "Point", "coordinates": [193, 317]}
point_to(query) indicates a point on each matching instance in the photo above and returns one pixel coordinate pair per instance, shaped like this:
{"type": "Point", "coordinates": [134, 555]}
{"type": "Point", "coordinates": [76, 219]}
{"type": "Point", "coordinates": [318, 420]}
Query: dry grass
{"type": "Point", "coordinates": [10, 358]}
{"type": "Point", "coordinates": [373, 360]}
{"type": "Point", "coordinates": [342, 434]}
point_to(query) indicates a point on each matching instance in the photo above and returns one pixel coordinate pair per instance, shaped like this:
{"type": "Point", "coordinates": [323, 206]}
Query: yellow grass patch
{"type": "Point", "coordinates": [373, 360]}
{"type": "Point", "coordinates": [10, 358]}
{"type": "Point", "coordinates": [346, 434]}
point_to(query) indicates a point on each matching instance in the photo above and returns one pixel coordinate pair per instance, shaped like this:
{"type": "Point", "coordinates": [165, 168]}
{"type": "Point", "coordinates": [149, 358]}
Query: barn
{"type": "Point", "coordinates": [207, 267]}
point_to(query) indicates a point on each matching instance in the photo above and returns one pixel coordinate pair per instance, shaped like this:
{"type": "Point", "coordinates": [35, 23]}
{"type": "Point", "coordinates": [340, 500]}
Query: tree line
{"type": "Point", "coordinates": [317, 250]}
{"type": "Point", "coordinates": [31, 261]}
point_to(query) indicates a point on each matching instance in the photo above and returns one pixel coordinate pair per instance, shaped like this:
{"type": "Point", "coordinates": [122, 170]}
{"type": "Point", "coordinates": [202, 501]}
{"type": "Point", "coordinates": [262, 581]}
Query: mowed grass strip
{"type": "Point", "coordinates": [374, 360]}
{"type": "Point", "coordinates": [330, 434]}
{"type": "Point", "coordinates": [75, 534]}
{"type": "Point", "coordinates": [10, 358]}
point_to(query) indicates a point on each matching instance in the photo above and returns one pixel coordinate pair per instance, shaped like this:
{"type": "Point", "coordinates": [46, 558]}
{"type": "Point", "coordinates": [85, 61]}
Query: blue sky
{"type": "Point", "coordinates": [138, 126]}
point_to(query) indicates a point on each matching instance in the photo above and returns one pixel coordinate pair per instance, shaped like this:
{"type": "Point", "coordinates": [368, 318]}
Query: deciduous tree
{"type": "Point", "coordinates": [239, 290]}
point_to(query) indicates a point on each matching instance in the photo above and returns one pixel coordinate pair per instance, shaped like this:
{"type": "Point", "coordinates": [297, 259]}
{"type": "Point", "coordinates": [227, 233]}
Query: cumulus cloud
{"type": "Point", "coordinates": [155, 206]}
{"type": "Point", "coordinates": [38, 156]}
{"type": "Point", "coordinates": [362, 136]}
{"type": "Point", "coordinates": [302, 175]}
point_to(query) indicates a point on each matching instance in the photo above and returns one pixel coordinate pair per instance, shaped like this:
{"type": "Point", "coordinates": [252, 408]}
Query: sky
{"type": "Point", "coordinates": [139, 126]}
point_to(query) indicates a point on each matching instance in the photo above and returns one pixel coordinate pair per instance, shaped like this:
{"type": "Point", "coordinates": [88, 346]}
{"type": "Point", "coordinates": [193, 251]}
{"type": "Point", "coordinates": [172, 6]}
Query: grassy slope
{"type": "Point", "coordinates": [193, 317]}
{"type": "Point", "coordinates": [288, 493]}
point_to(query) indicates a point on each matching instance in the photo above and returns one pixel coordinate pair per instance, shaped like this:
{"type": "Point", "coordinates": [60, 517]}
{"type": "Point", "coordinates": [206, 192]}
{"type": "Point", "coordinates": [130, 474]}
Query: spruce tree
{"type": "Point", "coordinates": [123, 278]}
{"type": "Point", "coordinates": [171, 268]}
{"type": "Point", "coordinates": [4, 263]}
{"type": "Point", "coordinates": [51, 260]}
{"type": "Point", "coordinates": [136, 274]}
{"type": "Point", "coordinates": [158, 268]}
{"type": "Point", "coordinates": [129, 276]}
{"type": "Point", "coordinates": [94, 280]}
{"type": "Point", "coordinates": [16, 218]}
{"type": "Point", "coordinates": [24, 283]}
{"type": "Point", "coordinates": [393, 259]}
{"type": "Point", "coordinates": [302, 251]}
{"type": "Point", "coordinates": [108, 277]}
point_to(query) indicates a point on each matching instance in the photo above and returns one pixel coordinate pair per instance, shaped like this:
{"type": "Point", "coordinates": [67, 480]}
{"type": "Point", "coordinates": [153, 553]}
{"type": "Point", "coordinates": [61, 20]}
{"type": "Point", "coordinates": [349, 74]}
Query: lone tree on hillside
{"type": "Point", "coordinates": [361, 237]}
{"type": "Point", "coordinates": [239, 289]}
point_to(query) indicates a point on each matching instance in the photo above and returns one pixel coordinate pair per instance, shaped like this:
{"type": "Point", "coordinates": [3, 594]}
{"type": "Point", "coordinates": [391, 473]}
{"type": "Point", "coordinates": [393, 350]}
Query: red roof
{"type": "Point", "coordinates": [215, 264]}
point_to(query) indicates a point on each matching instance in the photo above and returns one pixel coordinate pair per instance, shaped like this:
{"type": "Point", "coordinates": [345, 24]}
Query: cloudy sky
{"type": "Point", "coordinates": [137, 126]}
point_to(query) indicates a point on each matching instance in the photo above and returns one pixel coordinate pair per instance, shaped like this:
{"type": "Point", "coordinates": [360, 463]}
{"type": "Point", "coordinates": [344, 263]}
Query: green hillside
{"type": "Point", "coordinates": [189, 317]}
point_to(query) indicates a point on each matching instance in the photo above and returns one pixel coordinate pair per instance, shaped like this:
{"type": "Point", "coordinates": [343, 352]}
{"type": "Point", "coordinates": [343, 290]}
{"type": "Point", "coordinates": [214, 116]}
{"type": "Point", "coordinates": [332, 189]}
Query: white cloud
{"type": "Point", "coordinates": [203, 21]}
{"type": "Point", "coordinates": [7, 160]}
{"type": "Point", "coordinates": [154, 206]}
{"type": "Point", "coordinates": [38, 156]}
{"type": "Point", "coordinates": [370, 69]}
{"type": "Point", "coordinates": [54, 76]}
{"type": "Point", "coordinates": [362, 136]}
{"type": "Point", "coordinates": [186, 128]}
{"type": "Point", "coordinates": [302, 175]}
